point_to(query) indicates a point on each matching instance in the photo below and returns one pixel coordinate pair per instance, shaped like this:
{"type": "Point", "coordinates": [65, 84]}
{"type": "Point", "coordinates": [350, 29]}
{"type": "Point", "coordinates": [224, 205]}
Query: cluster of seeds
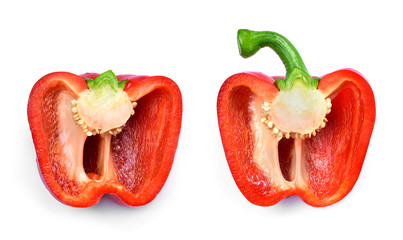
{"type": "Point", "coordinates": [276, 131]}
{"type": "Point", "coordinates": [93, 131]}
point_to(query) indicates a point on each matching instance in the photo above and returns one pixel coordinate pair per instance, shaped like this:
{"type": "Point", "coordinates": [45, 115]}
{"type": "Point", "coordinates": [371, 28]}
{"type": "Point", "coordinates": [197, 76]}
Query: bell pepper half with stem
{"type": "Point", "coordinates": [294, 135]}
{"type": "Point", "coordinates": [104, 134]}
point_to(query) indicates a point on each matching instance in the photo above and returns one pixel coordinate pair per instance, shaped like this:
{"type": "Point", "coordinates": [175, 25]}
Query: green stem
{"type": "Point", "coordinates": [106, 80]}
{"type": "Point", "coordinates": [249, 42]}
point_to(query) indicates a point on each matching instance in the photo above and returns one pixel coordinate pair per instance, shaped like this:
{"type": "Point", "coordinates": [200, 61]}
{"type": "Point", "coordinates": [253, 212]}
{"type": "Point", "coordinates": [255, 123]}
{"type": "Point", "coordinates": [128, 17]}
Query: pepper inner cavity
{"type": "Point", "coordinates": [102, 115]}
{"type": "Point", "coordinates": [296, 114]}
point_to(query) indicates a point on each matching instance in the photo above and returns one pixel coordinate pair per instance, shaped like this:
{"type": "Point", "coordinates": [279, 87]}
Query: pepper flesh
{"type": "Point", "coordinates": [321, 169]}
{"type": "Point", "coordinates": [132, 166]}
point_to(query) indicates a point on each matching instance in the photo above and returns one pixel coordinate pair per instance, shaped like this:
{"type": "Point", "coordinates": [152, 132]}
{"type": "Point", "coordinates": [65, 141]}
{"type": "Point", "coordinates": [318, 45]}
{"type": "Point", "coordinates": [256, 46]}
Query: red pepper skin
{"type": "Point", "coordinates": [148, 150]}
{"type": "Point", "coordinates": [334, 157]}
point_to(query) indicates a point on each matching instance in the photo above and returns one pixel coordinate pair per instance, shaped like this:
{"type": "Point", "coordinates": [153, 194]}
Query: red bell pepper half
{"type": "Point", "coordinates": [102, 134]}
{"type": "Point", "coordinates": [294, 135]}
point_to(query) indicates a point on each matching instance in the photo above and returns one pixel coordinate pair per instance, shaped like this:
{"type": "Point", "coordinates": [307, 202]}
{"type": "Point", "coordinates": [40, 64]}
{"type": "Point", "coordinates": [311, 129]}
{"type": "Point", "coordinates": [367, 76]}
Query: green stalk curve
{"type": "Point", "coordinates": [249, 42]}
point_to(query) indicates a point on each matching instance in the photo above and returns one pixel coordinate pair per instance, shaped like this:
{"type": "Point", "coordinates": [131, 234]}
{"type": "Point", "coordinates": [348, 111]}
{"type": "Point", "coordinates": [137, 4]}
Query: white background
{"type": "Point", "coordinates": [194, 43]}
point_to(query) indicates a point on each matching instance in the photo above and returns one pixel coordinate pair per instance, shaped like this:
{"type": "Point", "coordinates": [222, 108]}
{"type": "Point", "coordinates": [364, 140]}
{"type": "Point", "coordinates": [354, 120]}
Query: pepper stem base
{"type": "Point", "coordinates": [296, 113]}
{"type": "Point", "coordinates": [98, 126]}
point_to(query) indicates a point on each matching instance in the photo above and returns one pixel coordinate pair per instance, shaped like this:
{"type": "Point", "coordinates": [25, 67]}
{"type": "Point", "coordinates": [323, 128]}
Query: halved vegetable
{"type": "Point", "coordinates": [295, 135]}
{"type": "Point", "coordinates": [90, 141]}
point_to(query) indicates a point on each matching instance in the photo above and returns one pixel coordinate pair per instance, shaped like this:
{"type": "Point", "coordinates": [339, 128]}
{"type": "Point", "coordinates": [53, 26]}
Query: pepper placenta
{"type": "Point", "coordinates": [104, 134]}
{"type": "Point", "coordinates": [294, 135]}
